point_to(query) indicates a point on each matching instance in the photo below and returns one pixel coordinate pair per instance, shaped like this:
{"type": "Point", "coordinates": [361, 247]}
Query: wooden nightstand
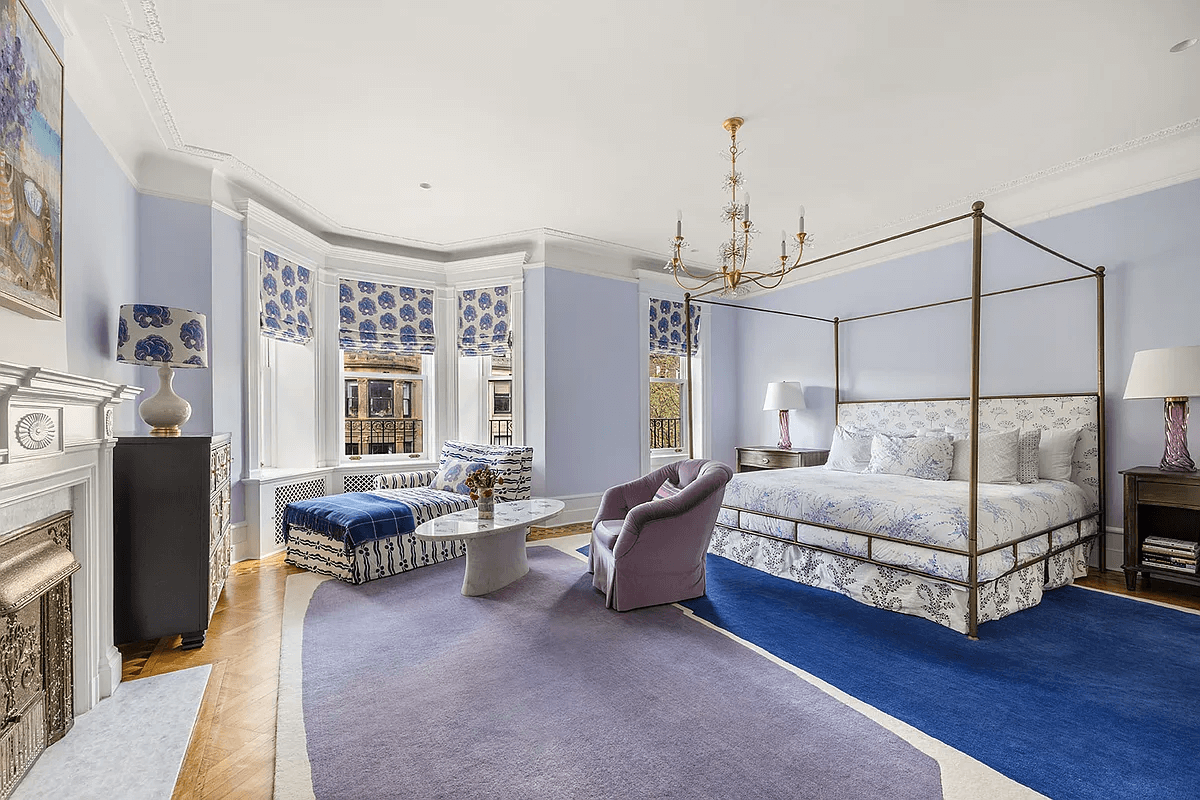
{"type": "Point", "coordinates": [755, 458]}
{"type": "Point", "coordinates": [1159, 503]}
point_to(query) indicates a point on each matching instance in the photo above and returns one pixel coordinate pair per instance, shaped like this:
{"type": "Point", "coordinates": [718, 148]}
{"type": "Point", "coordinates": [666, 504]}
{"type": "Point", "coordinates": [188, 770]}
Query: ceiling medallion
{"type": "Point", "coordinates": [734, 278]}
{"type": "Point", "coordinates": [35, 431]}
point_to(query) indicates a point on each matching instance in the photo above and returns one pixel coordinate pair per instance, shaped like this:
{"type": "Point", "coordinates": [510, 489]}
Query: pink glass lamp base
{"type": "Point", "coordinates": [785, 438]}
{"type": "Point", "coordinates": [1175, 455]}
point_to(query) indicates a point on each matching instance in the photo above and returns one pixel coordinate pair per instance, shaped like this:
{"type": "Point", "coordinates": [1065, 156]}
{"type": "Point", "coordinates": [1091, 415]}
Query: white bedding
{"type": "Point", "coordinates": [920, 511]}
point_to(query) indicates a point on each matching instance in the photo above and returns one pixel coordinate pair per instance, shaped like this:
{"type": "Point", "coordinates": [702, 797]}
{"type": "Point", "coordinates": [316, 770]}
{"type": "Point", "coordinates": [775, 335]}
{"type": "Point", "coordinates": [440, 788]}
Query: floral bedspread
{"type": "Point", "coordinates": [916, 510]}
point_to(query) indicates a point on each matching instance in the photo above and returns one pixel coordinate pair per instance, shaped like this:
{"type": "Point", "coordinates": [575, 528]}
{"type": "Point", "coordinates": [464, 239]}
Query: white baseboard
{"type": "Point", "coordinates": [579, 508]}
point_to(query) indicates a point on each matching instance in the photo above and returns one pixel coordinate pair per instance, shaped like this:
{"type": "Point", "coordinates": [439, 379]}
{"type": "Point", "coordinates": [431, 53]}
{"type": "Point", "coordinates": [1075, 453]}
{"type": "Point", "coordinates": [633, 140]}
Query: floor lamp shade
{"type": "Point", "coordinates": [1172, 373]}
{"type": "Point", "coordinates": [167, 338]}
{"type": "Point", "coordinates": [783, 396]}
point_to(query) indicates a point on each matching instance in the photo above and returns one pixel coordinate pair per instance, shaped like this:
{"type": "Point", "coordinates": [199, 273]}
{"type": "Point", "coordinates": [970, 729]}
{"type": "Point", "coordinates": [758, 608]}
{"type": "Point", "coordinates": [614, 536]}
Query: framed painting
{"type": "Point", "coordinates": [31, 124]}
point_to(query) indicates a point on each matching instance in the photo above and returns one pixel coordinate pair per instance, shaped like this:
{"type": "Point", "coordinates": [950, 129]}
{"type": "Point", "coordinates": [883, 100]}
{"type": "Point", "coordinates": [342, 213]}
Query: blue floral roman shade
{"type": "Point", "coordinates": [667, 330]}
{"type": "Point", "coordinates": [483, 322]}
{"type": "Point", "coordinates": [283, 300]}
{"type": "Point", "coordinates": [378, 317]}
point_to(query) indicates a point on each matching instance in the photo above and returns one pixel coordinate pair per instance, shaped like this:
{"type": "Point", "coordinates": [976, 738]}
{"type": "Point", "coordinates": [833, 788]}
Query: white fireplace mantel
{"type": "Point", "coordinates": [56, 443]}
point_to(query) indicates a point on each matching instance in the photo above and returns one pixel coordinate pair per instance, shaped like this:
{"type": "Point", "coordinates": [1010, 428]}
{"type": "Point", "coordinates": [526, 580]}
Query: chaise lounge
{"type": "Point", "coordinates": [361, 536]}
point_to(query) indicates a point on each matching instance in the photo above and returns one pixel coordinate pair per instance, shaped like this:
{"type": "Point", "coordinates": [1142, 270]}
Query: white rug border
{"type": "Point", "coordinates": [291, 739]}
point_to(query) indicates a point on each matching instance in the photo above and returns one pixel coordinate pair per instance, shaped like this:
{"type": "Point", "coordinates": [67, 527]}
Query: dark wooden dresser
{"type": "Point", "coordinates": [170, 535]}
{"type": "Point", "coordinates": [1159, 503]}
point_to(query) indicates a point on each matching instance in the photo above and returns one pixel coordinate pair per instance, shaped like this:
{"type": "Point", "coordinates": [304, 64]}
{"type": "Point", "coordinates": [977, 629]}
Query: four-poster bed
{"type": "Point", "coordinates": [897, 542]}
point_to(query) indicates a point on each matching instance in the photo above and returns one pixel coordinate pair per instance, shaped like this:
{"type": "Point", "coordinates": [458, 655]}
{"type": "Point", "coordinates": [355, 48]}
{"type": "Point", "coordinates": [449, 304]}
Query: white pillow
{"type": "Point", "coordinates": [998, 459]}
{"type": "Point", "coordinates": [1055, 454]}
{"type": "Point", "coordinates": [928, 457]}
{"type": "Point", "coordinates": [850, 450]}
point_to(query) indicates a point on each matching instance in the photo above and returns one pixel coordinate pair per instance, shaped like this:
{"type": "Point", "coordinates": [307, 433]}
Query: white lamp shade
{"type": "Point", "coordinates": [782, 395]}
{"type": "Point", "coordinates": [1168, 372]}
{"type": "Point", "coordinates": [158, 336]}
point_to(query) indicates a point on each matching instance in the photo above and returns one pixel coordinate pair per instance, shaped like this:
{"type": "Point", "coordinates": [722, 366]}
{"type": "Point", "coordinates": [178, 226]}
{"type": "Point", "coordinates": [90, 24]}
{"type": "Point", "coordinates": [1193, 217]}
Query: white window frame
{"type": "Point", "coordinates": [652, 284]}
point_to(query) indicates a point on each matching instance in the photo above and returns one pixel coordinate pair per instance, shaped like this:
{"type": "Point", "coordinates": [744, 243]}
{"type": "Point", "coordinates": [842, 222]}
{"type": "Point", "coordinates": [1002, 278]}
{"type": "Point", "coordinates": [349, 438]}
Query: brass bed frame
{"type": "Point", "coordinates": [973, 553]}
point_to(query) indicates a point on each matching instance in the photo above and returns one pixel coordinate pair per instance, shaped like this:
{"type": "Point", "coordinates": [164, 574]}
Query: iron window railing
{"type": "Point", "coordinates": [665, 433]}
{"type": "Point", "coordinates": [382, 436]}
{"type": "Point", "coordinates": [502, 431]}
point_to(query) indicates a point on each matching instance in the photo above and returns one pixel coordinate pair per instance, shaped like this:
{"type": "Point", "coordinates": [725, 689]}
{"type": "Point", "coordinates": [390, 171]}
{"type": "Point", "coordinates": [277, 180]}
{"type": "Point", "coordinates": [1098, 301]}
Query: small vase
{"type": "Point", "coordinates": [487, 507]}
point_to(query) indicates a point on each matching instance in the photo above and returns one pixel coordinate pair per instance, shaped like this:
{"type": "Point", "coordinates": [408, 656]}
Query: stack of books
{"type": "Point", "coordinates": [1178, 555]}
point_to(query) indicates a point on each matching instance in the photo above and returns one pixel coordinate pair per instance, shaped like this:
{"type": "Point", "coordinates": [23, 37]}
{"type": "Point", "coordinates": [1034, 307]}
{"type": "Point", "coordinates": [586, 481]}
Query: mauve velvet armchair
{"type": "Point", "coordinates": [646, 551]}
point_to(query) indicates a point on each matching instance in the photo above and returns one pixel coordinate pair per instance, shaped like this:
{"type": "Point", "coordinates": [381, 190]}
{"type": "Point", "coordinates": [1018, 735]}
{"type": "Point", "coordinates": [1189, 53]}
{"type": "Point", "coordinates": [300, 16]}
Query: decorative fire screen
{"type": "Point", "coordinates": [36, 675]}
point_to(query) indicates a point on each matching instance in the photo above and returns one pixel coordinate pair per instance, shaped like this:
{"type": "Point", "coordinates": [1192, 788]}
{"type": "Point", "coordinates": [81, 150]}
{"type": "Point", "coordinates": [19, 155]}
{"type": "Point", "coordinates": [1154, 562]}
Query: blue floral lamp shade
{"type": "Point", "coordinates": [166, 338]}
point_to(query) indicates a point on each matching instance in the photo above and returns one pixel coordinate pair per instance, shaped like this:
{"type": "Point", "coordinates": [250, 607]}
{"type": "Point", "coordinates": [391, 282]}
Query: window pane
{"type": "Point", "coordinates": [383, 416]}
{"type": "Point", "coordinates": [665, 366]}
{"type": "Point", "coordinates": [665, 405]}
{"type": "Point", "coordinates": [381, 395]}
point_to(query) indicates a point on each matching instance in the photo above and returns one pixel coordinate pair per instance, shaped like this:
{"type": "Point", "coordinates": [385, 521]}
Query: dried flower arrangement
{"type": "Point", "coordinates": [482, 483]}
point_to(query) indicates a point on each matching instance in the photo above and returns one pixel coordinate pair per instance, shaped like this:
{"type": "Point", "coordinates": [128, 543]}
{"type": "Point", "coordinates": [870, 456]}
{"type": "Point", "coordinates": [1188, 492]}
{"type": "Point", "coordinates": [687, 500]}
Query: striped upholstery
{"type": "Point", "coordinates": [405, 480]}
{"type": "Point", "coordinates": [395, 554]}
{"type": "Point", "coordinates": [514, 464]}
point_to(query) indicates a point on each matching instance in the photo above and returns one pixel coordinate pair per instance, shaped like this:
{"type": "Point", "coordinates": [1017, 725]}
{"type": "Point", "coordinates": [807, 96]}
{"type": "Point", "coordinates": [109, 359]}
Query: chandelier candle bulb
{"type": "Point", "coordinates": [783, 244]}
{"type": "Point", "coordinates": [801, 230]}
{"type": "Point", "coordinates": [746, 209]}
{"type": "Point", "coordinates": [679, 223]}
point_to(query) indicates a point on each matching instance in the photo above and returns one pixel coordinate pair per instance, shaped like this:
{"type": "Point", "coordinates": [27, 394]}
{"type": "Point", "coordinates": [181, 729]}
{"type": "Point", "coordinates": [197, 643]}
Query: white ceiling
{"type": "Point", "coordinates": [603, 118]}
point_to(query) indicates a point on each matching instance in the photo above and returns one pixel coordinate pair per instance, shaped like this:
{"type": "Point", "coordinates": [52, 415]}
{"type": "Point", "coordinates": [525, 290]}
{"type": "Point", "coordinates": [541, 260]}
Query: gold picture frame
{"type": "Point", "coordinates": [31, 161]}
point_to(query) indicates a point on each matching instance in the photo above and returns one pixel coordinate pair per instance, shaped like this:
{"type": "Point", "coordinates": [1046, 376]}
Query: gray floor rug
{"type": "Point", "coordinates": [402, 687]}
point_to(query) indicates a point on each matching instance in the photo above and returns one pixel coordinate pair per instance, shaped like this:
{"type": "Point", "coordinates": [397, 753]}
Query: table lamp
{"type": "Point", "coordinates": [782, 396]}
{"type": "Point", "coordinates": [1172, 373]}
{"type": "Point", "coordinates": [163, 337]}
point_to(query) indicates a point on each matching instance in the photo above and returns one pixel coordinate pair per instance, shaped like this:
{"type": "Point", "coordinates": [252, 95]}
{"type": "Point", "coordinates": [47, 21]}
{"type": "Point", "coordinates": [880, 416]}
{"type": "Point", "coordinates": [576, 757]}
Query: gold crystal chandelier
{"type": "Point", "coordinates": [734, 278]}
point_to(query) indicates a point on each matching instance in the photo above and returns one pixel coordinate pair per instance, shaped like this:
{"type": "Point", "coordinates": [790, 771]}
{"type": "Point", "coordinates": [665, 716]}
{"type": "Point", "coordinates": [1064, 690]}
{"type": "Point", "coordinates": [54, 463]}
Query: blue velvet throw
{"type": "Point", "coordinates": [354, 517]}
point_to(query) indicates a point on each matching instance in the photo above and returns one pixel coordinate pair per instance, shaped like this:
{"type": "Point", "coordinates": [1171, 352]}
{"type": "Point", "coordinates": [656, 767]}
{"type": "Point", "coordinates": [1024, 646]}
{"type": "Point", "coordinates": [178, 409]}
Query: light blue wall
{"type": "Point", "coordinates": [534, 364]}
{"type": "Point", "coordinates": [591, 383]}
{"type": "Point", "coordinates": [1034, 341]}
{"type": "Point", "coordinates": [99, 257]}
{"type": "Point", "coordinates": [724, 376]}
{"type": "Point", "coordinates": [226, 357]}
{"type": "Point", "coordinates": [175, 269]}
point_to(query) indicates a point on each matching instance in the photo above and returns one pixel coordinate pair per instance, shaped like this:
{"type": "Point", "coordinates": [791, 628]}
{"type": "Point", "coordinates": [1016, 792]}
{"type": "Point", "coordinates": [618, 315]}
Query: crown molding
{"type": "Point", "coordinates": [512, 262]}
{"type": "Point", "coordinates": [263, 222]}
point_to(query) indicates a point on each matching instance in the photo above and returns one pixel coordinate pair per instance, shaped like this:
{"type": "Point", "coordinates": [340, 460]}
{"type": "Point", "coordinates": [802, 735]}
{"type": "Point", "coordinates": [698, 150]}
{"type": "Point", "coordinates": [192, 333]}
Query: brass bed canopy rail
{"type": "Point", "coordinates": [977, 218]}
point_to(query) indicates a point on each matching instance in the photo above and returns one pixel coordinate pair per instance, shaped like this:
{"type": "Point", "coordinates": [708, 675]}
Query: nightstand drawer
{"type": "Point", "coordinates": [767, 460]}
{"type": "Point", "coordinates": [1168, 494]}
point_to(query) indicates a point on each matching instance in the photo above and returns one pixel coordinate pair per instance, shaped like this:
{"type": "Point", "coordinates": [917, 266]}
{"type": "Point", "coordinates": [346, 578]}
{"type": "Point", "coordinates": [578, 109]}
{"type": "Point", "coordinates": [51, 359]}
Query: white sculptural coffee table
{"type": "Point", "coordinates": [495, 547]}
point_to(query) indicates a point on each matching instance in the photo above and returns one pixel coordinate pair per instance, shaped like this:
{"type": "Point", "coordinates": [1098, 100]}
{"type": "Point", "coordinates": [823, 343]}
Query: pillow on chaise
{"type": "Point", "coordinates": [453, 474]}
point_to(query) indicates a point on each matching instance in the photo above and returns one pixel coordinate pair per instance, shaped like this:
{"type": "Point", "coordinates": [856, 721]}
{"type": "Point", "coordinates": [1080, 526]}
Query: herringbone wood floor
{"type": "Point", "coordinates": [232, 752]}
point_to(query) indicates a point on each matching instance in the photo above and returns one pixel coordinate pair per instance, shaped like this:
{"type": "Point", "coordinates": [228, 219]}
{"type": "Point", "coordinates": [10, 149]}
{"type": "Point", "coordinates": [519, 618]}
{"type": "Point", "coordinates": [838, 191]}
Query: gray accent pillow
{"type": "Point", "coordinates": [1027, 455]}
{"type": "Point", "coordinates": [1056, 454]}
{"type": "Point", "coordinates": [998, 459]}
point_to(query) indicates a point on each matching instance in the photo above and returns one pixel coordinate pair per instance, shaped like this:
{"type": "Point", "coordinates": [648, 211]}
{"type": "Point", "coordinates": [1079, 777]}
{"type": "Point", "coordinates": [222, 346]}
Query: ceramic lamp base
{"type": "Point", "coordinates": [1175, 454]}
{"type": "Point", "coordinates": [166, 411]}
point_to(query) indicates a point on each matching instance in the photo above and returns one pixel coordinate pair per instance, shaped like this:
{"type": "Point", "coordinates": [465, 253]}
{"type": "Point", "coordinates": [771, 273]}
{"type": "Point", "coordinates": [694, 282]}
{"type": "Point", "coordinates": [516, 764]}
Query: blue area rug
{"type": "Point", "coordinates": [1087, 695]}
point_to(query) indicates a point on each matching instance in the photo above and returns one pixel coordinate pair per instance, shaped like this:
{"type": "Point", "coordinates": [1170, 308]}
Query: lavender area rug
{"type": "Point", "coordinates": [404, 688]}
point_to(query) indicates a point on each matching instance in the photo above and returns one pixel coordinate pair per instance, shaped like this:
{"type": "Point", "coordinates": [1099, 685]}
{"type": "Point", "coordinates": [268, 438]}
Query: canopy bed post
{"type": "Point", "coordinates": [973, 502]}
{"type": "Point", "coordinates": [687, 335]}
{"type": "Point", "coordinates": [837, 369]}
{"type": "Point", "coordinates": [1100, 416]}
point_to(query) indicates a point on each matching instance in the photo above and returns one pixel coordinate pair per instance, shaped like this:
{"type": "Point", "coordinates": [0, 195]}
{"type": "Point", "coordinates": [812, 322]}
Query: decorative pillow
{"type": "Point", "coordinates": [998, 458]}
{"type": "Point", "coordinates": [453, 474]}
{"type": "Point", "coordinates": [928, 457]}
{"type": "Point", "coordinates": [850, 450]}
{"type": "Point", "coordinates": [667, 490]}
{"type": "Point", "coordinates": [1055, 454]}
{"type": "Point", "coordinates": [1027, 455]}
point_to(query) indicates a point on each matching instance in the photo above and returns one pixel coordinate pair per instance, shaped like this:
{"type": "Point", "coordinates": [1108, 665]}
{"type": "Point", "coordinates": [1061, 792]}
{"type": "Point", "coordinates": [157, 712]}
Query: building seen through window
{"type": "Point", "coordinates": [666, 402]}
{"type": "Point", "coordinates": [500, 416]}
{"type": "Point", "coordinates": [384, 398]}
